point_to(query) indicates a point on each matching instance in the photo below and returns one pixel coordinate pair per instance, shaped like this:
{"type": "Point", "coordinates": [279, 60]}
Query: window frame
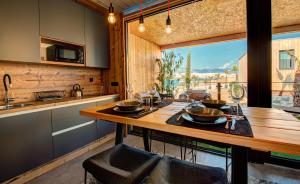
{"type": "Point", "coordinates": [291, 60]}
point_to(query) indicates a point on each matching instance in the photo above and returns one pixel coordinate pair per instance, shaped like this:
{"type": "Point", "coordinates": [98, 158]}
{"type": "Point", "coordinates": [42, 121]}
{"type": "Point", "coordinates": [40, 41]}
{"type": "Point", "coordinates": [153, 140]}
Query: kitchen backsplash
{"type": "Point", "coordinates": [30, 78]}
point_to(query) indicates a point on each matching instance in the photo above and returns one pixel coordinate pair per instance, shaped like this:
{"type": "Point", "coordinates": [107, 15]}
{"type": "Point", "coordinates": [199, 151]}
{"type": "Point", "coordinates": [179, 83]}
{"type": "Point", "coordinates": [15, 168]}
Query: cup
{"type": "Point", "coordinates": [147, 101]}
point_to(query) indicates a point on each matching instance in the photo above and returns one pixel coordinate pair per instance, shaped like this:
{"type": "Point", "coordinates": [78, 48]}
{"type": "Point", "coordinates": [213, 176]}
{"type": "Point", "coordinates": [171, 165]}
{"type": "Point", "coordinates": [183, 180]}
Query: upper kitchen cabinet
{"type": "Point", "coordinates": [19, 32]}
{"type": "Point", "coordinates": [96, 39]}
{"type": "Point", "coordinates": [62, 20]}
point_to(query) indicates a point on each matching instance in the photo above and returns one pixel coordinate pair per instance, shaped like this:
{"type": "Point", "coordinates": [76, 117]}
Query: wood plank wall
{"type": "Point", "coordinates": [116, 71]}
{"type": "Point", "coordinates": [30, 78]}
{"type": "Point", "coordinates": [142, 69]}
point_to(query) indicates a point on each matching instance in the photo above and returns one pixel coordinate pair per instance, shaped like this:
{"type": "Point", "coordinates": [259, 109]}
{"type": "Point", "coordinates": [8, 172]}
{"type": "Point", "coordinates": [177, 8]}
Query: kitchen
{"type": "Point", "coordinates": [54, 62]}
{"type": "Point", "coordinates": [88, 94]}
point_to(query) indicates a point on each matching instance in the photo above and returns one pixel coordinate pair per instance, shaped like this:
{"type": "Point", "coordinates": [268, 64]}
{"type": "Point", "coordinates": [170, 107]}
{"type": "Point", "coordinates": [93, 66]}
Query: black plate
{"type": "Point", "coordinates": [221, 120]}
{"type": "Point", "coordinates": [139, 109]}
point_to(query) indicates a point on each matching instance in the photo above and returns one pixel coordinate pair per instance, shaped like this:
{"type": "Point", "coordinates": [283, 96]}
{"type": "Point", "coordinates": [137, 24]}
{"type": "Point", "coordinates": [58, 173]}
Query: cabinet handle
{"type": "Point", "coordinates": [72, 128]}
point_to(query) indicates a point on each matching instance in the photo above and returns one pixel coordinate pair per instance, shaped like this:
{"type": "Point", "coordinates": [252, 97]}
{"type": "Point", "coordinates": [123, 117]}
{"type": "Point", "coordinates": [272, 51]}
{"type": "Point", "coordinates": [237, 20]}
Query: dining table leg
{"type": "Point", "coordinates": [239, 173]}
{"type": "Point", "coordinates": [146, 139]}
{"type": "Point", "coordinates": [119, 133]}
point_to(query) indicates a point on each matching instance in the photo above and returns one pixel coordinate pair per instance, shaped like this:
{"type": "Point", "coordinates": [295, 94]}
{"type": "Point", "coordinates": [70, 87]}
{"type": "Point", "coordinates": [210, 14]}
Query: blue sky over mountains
{"type": "Point", "coordinates": [215, 58]}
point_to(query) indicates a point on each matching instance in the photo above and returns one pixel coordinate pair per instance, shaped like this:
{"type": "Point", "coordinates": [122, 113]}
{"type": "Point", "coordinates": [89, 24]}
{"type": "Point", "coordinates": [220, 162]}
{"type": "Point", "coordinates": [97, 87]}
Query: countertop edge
{"type": "Point", "coordinates": [54, 105]}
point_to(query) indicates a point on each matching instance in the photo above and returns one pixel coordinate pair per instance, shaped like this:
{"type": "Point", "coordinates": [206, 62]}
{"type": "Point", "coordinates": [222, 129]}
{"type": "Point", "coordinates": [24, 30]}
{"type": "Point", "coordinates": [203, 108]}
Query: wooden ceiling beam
{"type": "Point", "coordinates": [286, 29]}
{"type": "Point", "coordinates": [93, 5]}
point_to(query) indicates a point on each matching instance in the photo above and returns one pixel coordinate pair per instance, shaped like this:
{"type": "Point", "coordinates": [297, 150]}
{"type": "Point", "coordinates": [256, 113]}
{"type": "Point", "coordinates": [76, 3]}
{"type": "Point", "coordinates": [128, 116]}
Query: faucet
{"type": "Point", "coordinates": [7, 100]}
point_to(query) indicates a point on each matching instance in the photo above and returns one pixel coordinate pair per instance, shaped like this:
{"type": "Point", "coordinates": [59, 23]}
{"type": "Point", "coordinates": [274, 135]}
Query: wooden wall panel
{"type": "Point", "coordinates": [142, 55]}
{"type": "Point", "coordinates": [116, 71]}
{"type": "Point", "coordinates": [30, 78]}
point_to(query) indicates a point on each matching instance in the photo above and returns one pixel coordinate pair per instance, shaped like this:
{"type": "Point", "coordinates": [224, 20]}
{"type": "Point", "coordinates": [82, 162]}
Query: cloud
{"type": "Point", "coordinates": [227, 65]}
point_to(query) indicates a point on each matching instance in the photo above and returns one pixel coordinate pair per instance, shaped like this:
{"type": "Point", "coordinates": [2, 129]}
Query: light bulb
{"type": "Point", "coordinates": [111, 18]}
{"type": "Point", "coordinates": [141, 27]}
{"type": "Point", "coordinates": [168, 25]}
{"type": "Point", "coordinates": [168, 29]}
{"type": "Point", "coordinates": [141, 24]}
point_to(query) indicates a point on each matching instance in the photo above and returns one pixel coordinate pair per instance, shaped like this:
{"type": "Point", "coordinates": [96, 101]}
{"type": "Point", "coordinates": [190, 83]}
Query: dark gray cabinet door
{"type": "Point", "coordinates": [19, 31]}
{"type": "Point", "coordinates": [73, 139]}
{"type": "Point", "coordinates": [96, 39]}
{"type": "Point", "coordinates": [70, 130]}
{"type": "Point", "coordinates": [26, 143]}
{"type": "Point", "coordinates": [62, 20]}
{"type": "Point", "coordinates": [67, 117]}
{"type": "Point", "coordinates": [104, 128]}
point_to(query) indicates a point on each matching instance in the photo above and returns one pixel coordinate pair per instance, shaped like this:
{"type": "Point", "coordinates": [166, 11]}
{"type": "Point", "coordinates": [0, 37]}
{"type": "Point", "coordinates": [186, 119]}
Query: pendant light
{"type": "Point", "coordinates": [111, 15]}
{"type": "Point", "coordinates": [141, 20]}
{"type": "Point", "coordinates": [168, 21]}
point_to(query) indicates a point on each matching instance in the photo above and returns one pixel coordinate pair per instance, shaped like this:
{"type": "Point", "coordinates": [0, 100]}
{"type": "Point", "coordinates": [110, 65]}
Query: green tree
{"type": "Point", "coordinates": [235, 70]}
{"type": "Point", "coordinates": [188, 72]}
{"type": "Point", "coordinates": [167, 67]}
{"type": "Point", "coordinates": [210, 78]}
{"type": "Point", "coordinates": [226, 77]}
{"type": "Point", "coordinates": [195, 81]}
{"type": "Point", "coordinates": [217, 77]}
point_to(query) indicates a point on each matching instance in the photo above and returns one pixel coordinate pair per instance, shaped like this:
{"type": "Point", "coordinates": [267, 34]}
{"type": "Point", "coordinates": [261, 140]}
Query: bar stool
{"type": "Point", "coordinates": [174, 171]}
{"type": "Point", "coordinates": [120, 164]}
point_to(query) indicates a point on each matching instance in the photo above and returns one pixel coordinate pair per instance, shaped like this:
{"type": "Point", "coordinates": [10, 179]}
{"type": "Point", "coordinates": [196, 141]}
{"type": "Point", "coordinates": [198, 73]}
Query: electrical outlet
{"type": "Point", "coordinates": [114, 84]}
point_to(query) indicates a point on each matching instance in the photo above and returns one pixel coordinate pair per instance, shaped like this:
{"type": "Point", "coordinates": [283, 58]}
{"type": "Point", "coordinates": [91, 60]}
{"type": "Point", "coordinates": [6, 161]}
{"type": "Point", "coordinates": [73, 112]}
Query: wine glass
{"type": "Point", "coordinates": [237, 93]}
{"type": "Point", "coordinates": [152, 93]}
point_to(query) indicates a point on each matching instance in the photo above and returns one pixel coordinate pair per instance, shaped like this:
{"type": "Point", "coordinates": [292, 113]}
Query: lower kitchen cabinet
{"type": "Point", "coordinates": [71, 130]}
{"type": "Point", "coordinates": [104, 128]}
{"type": "Point", "coordinates": [26, 143]}
{"type": "Point", "coordinates": [67, 117]}
{"type": "Point", "coordinates": [72, 139]}
{"type": "Point", "coordinates": [30, 140]}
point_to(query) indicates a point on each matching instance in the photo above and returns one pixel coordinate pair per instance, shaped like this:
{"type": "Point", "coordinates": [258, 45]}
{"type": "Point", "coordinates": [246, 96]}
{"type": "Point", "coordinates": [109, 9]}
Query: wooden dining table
{"type": "Point", "coordinates": [273, 130]}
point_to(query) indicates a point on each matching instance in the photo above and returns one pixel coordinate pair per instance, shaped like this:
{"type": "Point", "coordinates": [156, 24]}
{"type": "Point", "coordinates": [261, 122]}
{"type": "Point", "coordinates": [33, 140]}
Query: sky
{"type": "Point", "coordinates": [220, 55]}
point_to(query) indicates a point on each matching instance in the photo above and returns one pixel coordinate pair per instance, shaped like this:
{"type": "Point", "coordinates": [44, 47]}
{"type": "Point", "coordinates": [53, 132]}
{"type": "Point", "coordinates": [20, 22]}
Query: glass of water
{"type": "Point", "coordinates": [237, 93]}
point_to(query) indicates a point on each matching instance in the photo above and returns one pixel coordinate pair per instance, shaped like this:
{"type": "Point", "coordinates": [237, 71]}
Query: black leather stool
{"type": "Point", "coordinates": [174, 171]}
{"type": "Point", "coordinates": [121, 165]}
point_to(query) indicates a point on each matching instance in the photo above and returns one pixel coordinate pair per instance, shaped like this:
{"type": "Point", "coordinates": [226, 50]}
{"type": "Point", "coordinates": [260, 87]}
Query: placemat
{"type": "Point", "coordinates": [135, 115]}
{"type": "Point", "coordinates": [242, 127]}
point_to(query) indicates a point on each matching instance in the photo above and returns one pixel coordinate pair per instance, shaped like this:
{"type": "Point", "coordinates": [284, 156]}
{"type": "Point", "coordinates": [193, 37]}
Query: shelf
{"type": "Point", "coordinates": [63, 63]}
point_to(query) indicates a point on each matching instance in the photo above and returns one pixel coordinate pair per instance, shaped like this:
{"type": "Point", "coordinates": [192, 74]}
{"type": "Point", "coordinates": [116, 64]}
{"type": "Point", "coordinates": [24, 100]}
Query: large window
{"type": "Point", "coordinates": [287, 59]}
{"type": "Point", "coordinates": [204, 66]}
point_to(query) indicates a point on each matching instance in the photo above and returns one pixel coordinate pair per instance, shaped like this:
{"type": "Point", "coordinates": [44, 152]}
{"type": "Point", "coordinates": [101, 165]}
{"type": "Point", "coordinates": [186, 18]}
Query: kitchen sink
{"type": "Point", "coordinates": [13, 106]}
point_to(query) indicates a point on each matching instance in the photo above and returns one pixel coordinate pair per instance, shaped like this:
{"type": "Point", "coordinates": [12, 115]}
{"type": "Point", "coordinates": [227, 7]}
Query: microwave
{"type": "Point", "coordinates": [61, 53]}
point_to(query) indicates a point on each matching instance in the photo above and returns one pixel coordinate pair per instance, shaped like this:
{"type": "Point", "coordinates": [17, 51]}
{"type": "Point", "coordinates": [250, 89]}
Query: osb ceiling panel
{"type": "Point", "coordinates": [210, 18]}
{"type": "Point", "coordinates": [285, 12]}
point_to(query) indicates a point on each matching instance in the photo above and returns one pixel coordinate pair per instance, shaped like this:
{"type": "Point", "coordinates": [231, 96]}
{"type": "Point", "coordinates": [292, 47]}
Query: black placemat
{"type": "Point", "coordinates": [135, 115]}
{"type": "Point", "coordinates": [242, 127]}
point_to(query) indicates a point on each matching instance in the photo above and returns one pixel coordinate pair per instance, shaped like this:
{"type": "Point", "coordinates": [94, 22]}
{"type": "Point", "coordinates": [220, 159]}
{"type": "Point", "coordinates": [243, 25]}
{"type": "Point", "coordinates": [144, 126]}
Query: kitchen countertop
{"type": "Point", "coordinates": [68, 101]}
